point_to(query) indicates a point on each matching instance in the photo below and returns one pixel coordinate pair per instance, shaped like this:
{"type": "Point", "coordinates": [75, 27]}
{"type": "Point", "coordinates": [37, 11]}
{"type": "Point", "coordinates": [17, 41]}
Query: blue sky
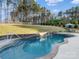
{"type": "Point", "coordinates": [58, 5]}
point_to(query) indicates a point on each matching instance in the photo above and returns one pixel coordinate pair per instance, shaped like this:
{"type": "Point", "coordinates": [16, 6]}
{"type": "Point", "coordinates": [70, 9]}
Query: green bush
{"type": "Point", "coordinates": [76, 26]}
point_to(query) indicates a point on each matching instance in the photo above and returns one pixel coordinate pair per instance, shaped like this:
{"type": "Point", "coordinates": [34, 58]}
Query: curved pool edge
{"type": "Point", "coordinates": [55, 50]}
{"type": "Point", "coordinates": [69, 50]}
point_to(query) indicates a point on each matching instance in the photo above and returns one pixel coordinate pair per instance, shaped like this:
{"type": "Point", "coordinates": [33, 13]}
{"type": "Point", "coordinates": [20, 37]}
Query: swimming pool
{"type": "Point", "coordinates": [33, 48]}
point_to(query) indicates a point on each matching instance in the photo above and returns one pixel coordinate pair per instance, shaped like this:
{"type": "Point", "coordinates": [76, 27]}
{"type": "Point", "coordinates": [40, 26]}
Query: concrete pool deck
{"type": "Point", "coordinates": [68, 50]}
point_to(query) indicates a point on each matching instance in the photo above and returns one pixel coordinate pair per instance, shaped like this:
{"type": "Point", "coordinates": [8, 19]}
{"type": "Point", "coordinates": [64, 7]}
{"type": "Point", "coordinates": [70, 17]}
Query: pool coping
{"type": "Point", "coordinates": [56, 48]}
{"type": "Point", "coordinates": [52, 54]}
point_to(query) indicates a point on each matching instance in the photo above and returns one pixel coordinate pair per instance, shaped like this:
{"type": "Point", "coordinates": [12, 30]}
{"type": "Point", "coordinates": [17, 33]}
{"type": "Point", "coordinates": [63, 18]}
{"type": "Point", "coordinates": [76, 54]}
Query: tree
{"type": "Point", "coordinates": [21, 10]}
{"type": "Point", "coordinates": [8, 3]}
{"type": "Point", "coordinates": [73, 13]}
{"type": "Point", "coordinates": [60, 13]}
{"type": "Point", "coordinates": [24, 9]}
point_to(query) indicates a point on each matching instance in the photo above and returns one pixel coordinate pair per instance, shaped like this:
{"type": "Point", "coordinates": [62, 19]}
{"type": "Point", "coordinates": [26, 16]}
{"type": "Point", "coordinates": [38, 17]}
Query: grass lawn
{"type": "Point", "coordinates": [43, 28]}
{"type": "Point", "coordinates": [7, 28]}
{"type": "Point", "coordinates": [27, 29]}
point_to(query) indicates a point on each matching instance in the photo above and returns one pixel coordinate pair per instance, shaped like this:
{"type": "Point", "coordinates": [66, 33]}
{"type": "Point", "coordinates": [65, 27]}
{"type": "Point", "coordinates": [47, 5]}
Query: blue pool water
{"type": "Point", "coordinates": [24, 49]}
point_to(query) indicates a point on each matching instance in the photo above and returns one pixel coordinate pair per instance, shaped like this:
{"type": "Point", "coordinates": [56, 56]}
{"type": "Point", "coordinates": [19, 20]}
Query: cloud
{"type": "Point", "coordinates": [75, 2]}
{"type": "Point", "coordinates": [55, 10]}
{"type": "Point", "coordinates": [49, 4]}
{"type": "Point", "coordinates": [52, 2]}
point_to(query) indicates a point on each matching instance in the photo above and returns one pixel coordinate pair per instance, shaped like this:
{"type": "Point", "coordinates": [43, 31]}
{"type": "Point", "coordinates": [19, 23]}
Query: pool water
{"type": "Point", "coordinates": [24, 49]}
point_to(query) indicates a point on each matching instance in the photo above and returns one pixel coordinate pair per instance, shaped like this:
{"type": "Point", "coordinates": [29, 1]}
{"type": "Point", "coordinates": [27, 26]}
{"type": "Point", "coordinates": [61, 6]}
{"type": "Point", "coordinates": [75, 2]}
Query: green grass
{"type": "Point", "coordinates": [8, 28]}
{"type": "Point", "coordinates": [42, 28]}
{"type": "Point", "coordinates": [27, 29]}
